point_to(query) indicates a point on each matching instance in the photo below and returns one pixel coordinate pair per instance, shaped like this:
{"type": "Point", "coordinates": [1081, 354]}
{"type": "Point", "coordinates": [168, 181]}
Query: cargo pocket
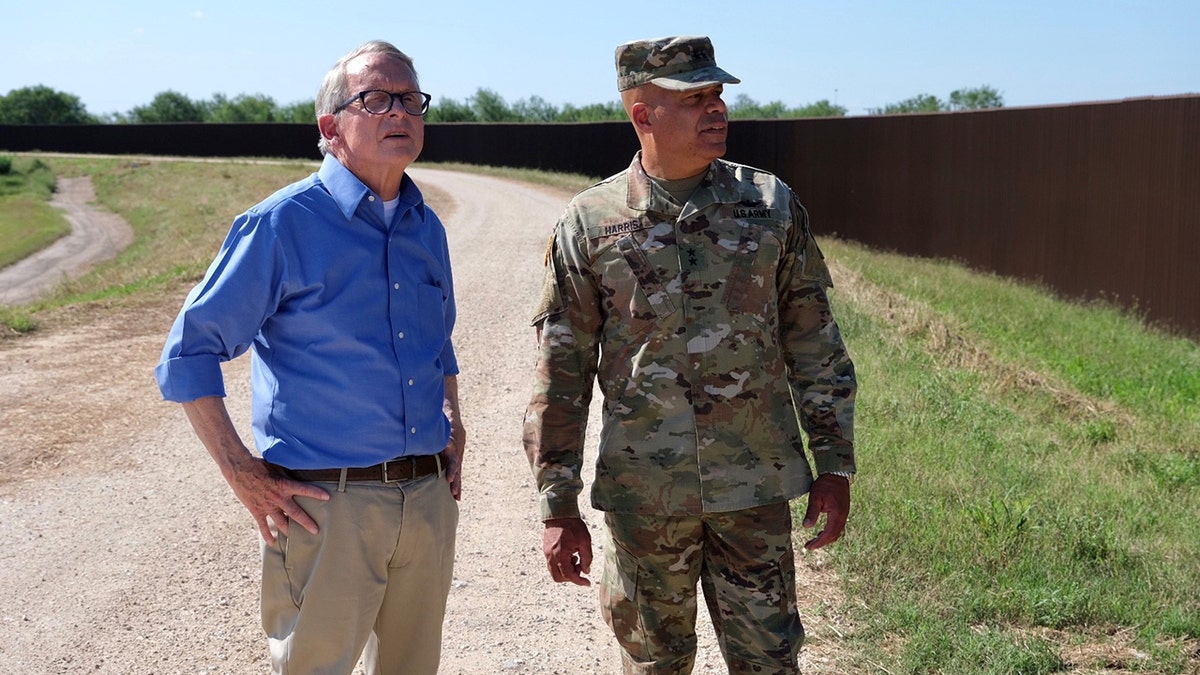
{"type": "Point", "coordinates": [750, 286]}
{"type": "Point", "coordinates": [619, 601]}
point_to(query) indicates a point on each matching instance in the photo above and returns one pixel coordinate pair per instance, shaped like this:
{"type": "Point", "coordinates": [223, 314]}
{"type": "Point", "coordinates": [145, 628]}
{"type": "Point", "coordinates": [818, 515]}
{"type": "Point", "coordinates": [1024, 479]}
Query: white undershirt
{"type": "Point", "coordinates": [389, 209]}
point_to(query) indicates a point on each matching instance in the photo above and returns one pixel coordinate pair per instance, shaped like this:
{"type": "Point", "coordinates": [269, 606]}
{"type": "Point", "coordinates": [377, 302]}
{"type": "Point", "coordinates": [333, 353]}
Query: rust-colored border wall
{"type": "Point", "coordinates": [1099, 200]}
{"type": "Point", "coordinates": [1093, 200]}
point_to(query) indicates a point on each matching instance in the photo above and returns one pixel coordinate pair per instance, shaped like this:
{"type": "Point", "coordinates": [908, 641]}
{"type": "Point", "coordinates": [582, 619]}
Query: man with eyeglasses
{"type": "Point", "coordinates": [340, 287]}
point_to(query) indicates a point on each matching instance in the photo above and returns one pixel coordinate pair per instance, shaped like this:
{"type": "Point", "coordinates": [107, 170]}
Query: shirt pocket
{"type": "Point", "coordinates": [750, 286]}
{"type": "Point", "coordinates": [652, 290]}
{"type": "Point", "coordinates": [431, 317]}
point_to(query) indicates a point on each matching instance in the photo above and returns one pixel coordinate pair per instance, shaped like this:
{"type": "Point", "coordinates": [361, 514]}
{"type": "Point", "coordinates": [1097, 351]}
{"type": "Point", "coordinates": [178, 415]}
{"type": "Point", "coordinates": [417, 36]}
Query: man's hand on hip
{"type": "Point", "coordinates": [267, 494]}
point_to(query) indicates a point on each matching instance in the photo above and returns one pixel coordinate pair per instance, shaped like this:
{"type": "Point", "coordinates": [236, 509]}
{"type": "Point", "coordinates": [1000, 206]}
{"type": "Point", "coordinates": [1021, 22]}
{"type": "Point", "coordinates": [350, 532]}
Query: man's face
{"type": "Point", "coordinates": [368, 143]}
{"type": "Point", "coordinates": [690, 127]}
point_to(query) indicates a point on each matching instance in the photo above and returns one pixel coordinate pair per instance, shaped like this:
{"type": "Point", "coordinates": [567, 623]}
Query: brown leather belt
{"type": "Point", "coordinates": [391, 471]}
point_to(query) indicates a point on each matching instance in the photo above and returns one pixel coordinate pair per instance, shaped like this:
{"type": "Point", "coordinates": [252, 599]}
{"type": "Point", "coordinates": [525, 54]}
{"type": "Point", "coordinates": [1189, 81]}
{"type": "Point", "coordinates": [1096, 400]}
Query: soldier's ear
{"type": "Point", "coordinates": [639, 114]}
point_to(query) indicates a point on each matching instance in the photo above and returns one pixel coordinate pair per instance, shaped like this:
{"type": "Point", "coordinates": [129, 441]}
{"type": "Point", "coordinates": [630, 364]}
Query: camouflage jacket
{"type": "Point", "coordinates": [708, 329]}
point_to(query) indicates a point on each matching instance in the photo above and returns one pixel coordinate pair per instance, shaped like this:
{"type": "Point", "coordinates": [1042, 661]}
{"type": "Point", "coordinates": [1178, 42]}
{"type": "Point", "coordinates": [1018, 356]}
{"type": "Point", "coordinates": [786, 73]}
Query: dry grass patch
{"type": "Point", "coordinates": [913, 320]}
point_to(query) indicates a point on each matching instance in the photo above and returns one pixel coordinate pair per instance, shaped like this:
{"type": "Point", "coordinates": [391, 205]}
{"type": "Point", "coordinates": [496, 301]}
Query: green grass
{"type": "Point", "coordinates": [179, 211]}
{"type": "Point", "coordinates": [1029, 468]}
{"type": "Point", "coordinates": [27, 222]}
{"type": "Point", "coordinates": [1027, 465]}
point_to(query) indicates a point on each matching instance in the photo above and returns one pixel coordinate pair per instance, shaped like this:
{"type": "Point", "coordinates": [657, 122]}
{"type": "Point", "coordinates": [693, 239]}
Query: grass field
{"type": "Point", "coordinates": [1030, 474]}
{"type": "Point", "coordinates": [27, 223]}
{"type": "Point", "coordinates": [1029, 469]}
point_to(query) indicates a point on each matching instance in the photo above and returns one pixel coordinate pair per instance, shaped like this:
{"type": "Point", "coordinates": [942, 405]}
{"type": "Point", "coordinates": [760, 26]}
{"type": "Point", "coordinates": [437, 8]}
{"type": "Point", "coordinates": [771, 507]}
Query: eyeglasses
{"type": "Point", "coordinates": [380, 102]}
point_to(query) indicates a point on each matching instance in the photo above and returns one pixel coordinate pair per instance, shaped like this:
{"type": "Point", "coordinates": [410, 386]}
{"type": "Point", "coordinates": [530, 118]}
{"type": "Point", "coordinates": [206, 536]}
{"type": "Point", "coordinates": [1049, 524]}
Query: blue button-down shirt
{"type": "Point", "coordinates": [348, 319]}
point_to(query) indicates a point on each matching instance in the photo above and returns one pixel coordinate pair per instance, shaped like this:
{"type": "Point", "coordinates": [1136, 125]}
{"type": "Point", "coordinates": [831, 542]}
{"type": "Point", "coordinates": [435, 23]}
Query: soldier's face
{"type": "Point", "coordinates": [691, 126]}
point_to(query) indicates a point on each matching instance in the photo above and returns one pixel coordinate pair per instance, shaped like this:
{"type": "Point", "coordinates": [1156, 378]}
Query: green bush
{"type": "Point", "coordinates": [32, 176]}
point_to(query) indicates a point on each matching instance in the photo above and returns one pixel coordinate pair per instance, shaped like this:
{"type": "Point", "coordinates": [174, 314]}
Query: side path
{"type": "Point", "coordinates": [95, 236]}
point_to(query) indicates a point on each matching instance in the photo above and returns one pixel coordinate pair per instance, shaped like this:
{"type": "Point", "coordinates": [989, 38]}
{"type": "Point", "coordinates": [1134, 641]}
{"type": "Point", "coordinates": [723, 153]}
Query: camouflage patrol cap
{"type": "Point", "coordinates": [678, 63]}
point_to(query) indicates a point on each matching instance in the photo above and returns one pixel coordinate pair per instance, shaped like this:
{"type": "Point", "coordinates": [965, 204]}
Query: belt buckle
{"type": "Point", "coordinates": [384, 469]}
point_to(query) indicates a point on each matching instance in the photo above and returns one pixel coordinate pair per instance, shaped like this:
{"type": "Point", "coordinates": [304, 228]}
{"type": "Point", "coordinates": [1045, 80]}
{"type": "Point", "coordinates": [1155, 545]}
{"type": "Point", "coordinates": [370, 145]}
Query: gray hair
{"type": "Point", "coordinates": [335, 89]}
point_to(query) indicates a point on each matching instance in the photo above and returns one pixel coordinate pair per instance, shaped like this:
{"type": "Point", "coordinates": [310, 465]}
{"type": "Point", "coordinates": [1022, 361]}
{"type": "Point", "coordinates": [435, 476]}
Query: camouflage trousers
{"type": "Point", "coordinates": [744, 562]}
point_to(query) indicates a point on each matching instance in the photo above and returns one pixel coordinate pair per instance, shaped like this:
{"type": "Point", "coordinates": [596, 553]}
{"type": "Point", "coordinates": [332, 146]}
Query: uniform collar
{"type": "Point", "coordinates": [718, 187]}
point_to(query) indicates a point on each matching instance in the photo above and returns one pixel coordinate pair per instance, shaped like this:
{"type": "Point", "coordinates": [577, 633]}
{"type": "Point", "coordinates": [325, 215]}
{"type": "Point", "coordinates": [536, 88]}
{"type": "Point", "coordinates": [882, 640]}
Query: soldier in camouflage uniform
{"type": "Point", "coordinates": [692, 288]}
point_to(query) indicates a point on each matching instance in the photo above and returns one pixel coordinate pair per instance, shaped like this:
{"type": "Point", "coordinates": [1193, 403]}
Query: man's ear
{"type": "Point", "coordinates": [328, 126]}
{"type": "Point", "coordinates": [639, 114]}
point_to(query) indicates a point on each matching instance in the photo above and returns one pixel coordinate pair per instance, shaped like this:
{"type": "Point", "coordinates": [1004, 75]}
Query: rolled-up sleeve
{"type": "Point", "coordinates": [223, 313]}
{"type": "Point", "coordinates": [187, 378]}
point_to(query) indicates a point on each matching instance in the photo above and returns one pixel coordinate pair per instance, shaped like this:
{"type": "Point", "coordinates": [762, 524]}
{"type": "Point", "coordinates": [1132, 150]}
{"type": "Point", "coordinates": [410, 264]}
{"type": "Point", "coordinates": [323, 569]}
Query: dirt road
{"type": "Point", "coordinates": [123, 551]}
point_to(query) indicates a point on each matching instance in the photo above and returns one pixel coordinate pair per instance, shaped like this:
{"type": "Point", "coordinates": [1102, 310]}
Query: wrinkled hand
{"type": "Point", "coordinates": [829, 495]}
{"type": "Point", "coordinates": [567, 545]}
{"type": "Point", "coordinates": [268, 495]}
{"type": "Point", "coordinates": [452, 456]}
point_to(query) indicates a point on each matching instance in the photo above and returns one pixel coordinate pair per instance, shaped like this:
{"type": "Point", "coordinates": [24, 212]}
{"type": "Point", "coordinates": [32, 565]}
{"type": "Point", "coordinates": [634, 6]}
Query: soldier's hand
{"type": "Point", "coordinates": [829, 495]}
{"type": "Point", "coordinates": [567, 545]}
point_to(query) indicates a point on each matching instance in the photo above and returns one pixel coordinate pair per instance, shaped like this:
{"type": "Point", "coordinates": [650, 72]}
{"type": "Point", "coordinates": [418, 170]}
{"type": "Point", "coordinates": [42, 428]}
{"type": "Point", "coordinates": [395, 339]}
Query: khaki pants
{"type": "Point", "coordinates": [745, 564]}
{"type": "Point", "coordinates": [375, 577]}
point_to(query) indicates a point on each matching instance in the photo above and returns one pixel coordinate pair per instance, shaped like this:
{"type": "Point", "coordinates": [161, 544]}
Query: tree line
{"type": "Point", "coordinates": [43, 105]}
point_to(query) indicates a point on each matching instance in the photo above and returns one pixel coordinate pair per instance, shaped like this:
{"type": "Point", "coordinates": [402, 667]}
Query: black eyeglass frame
{"type": "Point", "coordinates": [392, 98]}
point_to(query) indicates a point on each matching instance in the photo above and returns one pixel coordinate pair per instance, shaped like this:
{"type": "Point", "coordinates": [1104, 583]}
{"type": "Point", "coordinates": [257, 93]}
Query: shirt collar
{"type": "Point", "coordinates": [349, 192]}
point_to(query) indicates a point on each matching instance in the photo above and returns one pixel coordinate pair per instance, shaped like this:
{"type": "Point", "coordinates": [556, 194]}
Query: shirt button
{"type": "Point", "coordinates": [396, 286]}
{"type": "Point", "coordinates": [410, 383]}
{"type": "Point", "coordinates": [400, 335]}
{"type": "Point", "coordinates": [370, 198]}
{"type": "Point", "coordinates": [412, 430]}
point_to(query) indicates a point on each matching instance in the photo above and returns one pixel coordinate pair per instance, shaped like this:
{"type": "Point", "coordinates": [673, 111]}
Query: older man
{"type": "Point", "coordinates": [694, 290]}
{"type": "Point", "coordinates": [340, 286]}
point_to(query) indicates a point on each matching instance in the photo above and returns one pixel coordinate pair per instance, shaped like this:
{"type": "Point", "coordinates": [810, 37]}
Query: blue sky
{"type": "Point", "coordinates": [857, 53]}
